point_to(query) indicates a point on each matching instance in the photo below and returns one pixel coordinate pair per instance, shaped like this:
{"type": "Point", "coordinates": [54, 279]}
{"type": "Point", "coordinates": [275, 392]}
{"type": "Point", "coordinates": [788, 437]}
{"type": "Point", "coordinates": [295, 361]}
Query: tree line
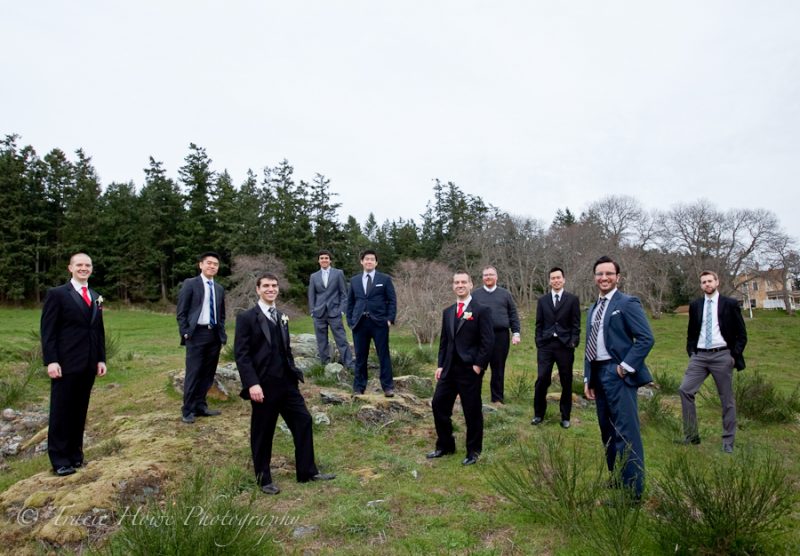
{"type": "Point", "coordinates": [144, 239]}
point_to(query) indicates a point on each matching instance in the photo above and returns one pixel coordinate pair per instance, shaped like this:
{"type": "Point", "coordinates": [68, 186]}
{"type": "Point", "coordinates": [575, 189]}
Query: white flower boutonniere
{"type": "Point", "coordinates": [285, 320]}
{"type": "Point", "coordinates": [467, 315]}
{"type": "Point", "coordinates": [99, 301]}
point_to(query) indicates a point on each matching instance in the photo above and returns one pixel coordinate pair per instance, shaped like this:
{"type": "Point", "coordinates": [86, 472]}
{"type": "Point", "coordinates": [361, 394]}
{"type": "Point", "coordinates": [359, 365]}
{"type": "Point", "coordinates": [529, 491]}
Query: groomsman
{"type": "Point", "coordinates": [558, 331]}
{"type": "Point", "coordinates": [327, 302]}
{"type": "Point", "coordinates": [74, 351]}
{"type": "Point", "coordinates": [201, 323]}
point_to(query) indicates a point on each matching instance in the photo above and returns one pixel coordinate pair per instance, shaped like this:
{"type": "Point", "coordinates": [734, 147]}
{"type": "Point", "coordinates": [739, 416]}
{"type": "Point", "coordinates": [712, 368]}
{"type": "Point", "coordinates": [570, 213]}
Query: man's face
{"type": "Point", "coordinates": [709, 284]}
{"type": "Point", "coordinates": [268, 290]}
{"type": "Point", "coordinates": [606, 277]}
{"type": "Point", "coordinates": [557, 280]}
{"type": "Point", "coordinates": [489, 277]}
{"type": "Point", "coordinates": [80, 266]}
{"type": "Point", "coordinates": [324, 261]}
{"type": "Point", "coordinates": [209, 267]}
{"type": "Point", "coordinates": [462, 285]}
{"type": "Point", "coordinates": [369, 262]}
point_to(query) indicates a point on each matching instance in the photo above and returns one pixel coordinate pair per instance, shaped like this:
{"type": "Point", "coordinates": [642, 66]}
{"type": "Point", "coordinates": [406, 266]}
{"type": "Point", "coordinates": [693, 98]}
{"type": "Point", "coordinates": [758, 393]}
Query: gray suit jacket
{"type": "Point", "coordinates": [190, 303]}
{"type": "Point", "coordinates": [328, 301]}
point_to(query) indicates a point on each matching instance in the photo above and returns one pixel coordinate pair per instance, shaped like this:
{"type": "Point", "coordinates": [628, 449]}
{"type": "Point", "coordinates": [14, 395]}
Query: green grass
{"type": "Point", "coordinates": [436, 507]}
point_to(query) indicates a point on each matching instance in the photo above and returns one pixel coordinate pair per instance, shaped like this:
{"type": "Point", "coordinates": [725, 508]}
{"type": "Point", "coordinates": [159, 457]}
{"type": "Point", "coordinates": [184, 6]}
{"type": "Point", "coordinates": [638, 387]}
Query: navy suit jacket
{"type": "Point", "coordinates": [627, 336]}
{"type": "Point", "coordinates": [72, 333]}
{"type": "Point", "coordinates": [330, 301]}
{"type": "Point", "coordinates": [190, 303]}
{"type": "Point", "coordinates": [471, 337]}
{"type": "Point", "coordinates": [380, 302]}
{"type": "Point", "coordinates": [564, 320]}
{"type": "Point", "coordinates": [253, 349]}
{"type": "Point", "coordinates": [731, 325]}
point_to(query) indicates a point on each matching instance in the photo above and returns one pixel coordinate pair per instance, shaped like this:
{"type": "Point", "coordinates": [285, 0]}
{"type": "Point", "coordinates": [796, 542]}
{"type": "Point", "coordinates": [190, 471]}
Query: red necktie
{"type": "Point", "coordinates": [459, 310]}
{"type": "Point", "coordinates": [86, 298]}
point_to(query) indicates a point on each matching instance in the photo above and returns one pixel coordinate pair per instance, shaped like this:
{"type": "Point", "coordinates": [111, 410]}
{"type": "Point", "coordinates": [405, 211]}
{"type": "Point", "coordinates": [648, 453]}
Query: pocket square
{"type": "Point", "coordinates": [378, 285]}
{"type": "Point", "coordinates": [616, 312]}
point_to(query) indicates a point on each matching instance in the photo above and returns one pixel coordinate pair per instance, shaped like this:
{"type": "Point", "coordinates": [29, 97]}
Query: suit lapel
{"type": "Point", "coordinates": [612, 306]}
{"type": "Point", "coordinates": [284, 329]}
{"type": "Point", "coordinates": [461, 320]}
{"type": "Point", "coordinates": [261, 319]}
{"type": "Point", "coordinates": [78, 299]}
{"type": "Point", "coordinates": [450, 318]}
{"type": "Point", "coordinates": [93, 297]}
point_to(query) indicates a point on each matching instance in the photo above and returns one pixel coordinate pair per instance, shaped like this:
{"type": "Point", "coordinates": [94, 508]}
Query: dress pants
{"type": "Point", "coordinates": [553, 351]}
{"type": "Point", "coordinates": [321, 326]}
{"type": "Point", "coordinates": [618, 416]}
{"type": "Point", "coordinates": [502, 342]}
{"type": "Point", "coordinates": [367, 330]}
{"type": "Point", "coordinates": [69, 403]}
{"type": "Point", "coordinates": [281, 397]}
{"type": "Point", "coordinates": [460, 381]}
{"type": "Point", "coordinates": [719, 365]}
{"type": "Point", "coordinates": [202, 357]}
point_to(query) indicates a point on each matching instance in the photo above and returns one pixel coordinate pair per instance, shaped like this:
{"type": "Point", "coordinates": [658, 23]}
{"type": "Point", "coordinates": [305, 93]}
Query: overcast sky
{"type": "Point", "coordinates": [533, 105]}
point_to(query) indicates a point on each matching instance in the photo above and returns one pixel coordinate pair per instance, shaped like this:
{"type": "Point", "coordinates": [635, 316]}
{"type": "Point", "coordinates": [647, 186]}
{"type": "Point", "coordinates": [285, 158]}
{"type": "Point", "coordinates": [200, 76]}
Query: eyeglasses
{"type": "Point", "coordinates": [601, 274]}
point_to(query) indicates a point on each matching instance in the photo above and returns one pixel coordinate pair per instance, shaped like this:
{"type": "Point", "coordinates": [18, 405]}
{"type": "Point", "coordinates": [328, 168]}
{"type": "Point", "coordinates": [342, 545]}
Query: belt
{"type": "Point", "coordinates": [712, 350]}
{"type": "Point", "coordinates": [209, 326]}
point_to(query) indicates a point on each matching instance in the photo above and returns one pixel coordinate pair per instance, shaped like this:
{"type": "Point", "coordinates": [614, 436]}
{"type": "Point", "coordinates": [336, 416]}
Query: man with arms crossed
{"type": "Point", "coordinates": [465, 345]}
{"type": "Point", "coordinates": [327, 301]}
{"type": "Point", "coordinates": [558, 331]}
{"type": "Point", "coordinates": [618, 340]}
{"type": "Point", "coordinates": [270, 381]}
{"type": "Point", "coordinates": [715, 342]}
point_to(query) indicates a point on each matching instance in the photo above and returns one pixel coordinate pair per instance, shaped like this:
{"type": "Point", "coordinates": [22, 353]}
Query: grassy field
{"type": "Point", "coordinates": [387, 498]}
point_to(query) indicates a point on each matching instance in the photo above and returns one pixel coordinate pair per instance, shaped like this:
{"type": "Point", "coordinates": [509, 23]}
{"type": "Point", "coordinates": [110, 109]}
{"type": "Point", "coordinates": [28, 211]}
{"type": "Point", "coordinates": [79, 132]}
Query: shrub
{"type": "Point", "coordinates": [758, 399]}
{"type": "Point", "coordinates": [667, 383]}
{"type": "Point", "coordinates": [732, 505]}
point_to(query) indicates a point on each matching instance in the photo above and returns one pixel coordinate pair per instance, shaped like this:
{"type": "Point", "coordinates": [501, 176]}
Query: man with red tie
{"type": "Point", "coordinates": [74, 351]}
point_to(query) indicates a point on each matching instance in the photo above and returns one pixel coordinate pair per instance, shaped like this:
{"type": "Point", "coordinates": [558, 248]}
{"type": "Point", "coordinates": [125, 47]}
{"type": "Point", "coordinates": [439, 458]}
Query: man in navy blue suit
{"type": "Point", "coordinates": [371, 310]}
{"type": "Point", "coordinates": [618, 340]}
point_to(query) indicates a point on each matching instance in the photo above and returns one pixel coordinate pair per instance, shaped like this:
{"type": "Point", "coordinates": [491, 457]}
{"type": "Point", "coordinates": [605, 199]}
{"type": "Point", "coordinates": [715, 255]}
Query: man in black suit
{"type": "Point", "coordinates": [270, 381]}
{"type": "Point", "coordinates": [201, 323]}
{"type": "Point", "coordinates": [465, 346]}
{"type": "Point", "coordinates": [715, 342]}
{"type": "Point", "coordinates": [327, 301]}
{"type": "Point", "coordinates": [558, 331]}
{"type": "Point", "coordinates": [371, 310]}
{"type": "Point", "coordinates": [74, 351]}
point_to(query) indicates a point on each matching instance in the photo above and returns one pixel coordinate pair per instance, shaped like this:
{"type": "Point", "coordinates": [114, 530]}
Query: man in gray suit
{"type": "Point", "coordinates": [327, 302]}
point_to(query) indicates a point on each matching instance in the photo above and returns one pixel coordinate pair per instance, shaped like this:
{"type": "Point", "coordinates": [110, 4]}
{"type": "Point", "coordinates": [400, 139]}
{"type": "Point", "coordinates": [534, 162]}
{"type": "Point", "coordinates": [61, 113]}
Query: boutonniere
{"type": "Point", "coordinates": [285, 320]}
{"type": "Point", "coordinates": [99, 301]}
{"type": "Point", "coordinates": [466, 315]}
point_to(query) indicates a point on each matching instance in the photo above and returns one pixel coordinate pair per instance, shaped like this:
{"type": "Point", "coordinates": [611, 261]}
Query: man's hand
{"type": "Point", "coordinates": [620, 371]}
{"type": "Point", "coordinates": [515, 339]}
{"type": "Point", "coordinates": [477, 369]}
{"type": "Point", "coordinates": [101, 368]}
{"type": "Point", "coordinates": [54, 370]}
{"type": "Point", "coordinates": [588, 392]}
{"type": "Point", "coordinates": [438, 373]}
{"type": "Point", "coordinates": [256, 393]}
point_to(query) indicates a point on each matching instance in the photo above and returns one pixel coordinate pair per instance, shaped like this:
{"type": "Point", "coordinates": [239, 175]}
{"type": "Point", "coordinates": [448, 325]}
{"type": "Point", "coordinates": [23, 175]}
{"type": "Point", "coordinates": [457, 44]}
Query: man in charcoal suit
{"type": "Point", "coordinates": [201, 323]}
{"type": "Point", "coordinates": [270, 381]}
{"type": "Point", "coordinates": [618, 341]}
{"type": "Point", "coordinates": [74, 351]}
{"type": "Point", "coordinates": [715, 342]}
{"type": "Point", "coordinates": [558, 331]}
{"type": "Point", "coordinates": [465, 346]}
{"type": "Point", "coordinates": [327, 301]}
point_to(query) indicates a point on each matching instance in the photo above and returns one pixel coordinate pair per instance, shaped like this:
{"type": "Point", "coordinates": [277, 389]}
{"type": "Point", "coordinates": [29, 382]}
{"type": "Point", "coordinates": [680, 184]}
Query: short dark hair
{"type": "Point", "coordinates": [462, 272]}
{"type": "Point", "coordinates": [324, 252]}
{"type": "Point", "coordinates": [204, 255]}
{"type": "Point", "coordinates": [266, 276]}
{"type": "Point", "coordinates": [556, 269]}
{"type": "Point", "coordinates": [709, 273]}
{"type": "Point", "coordinates": [606, 259]}
{"type": "Point", "coordinates": [366, 252]}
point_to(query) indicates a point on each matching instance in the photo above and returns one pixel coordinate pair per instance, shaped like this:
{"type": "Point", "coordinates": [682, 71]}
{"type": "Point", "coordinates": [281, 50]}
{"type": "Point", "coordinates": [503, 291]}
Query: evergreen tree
{"type": "Point", "coordinates": [198, 229]}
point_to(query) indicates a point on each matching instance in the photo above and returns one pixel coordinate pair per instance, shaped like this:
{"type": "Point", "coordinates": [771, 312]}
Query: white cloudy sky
{"type": "Point", "coordinates": [534, 105]}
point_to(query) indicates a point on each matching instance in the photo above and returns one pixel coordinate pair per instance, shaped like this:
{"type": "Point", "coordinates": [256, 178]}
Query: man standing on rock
{"type": "Point", "coordinates": [327, 302]}
{"type": "Point", "coordinates": [270, 381]}
{"type": "Point", "coordinates": [201, 323]}
{"type": "Point", "coordinates": [74, 351]}
{"type": "Point", "coordinates": [465, 345]}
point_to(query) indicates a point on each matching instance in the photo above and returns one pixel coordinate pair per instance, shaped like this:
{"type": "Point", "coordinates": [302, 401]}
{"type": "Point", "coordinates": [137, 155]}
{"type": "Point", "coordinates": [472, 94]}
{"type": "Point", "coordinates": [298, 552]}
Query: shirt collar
{"type": "Point", "coordinates": [77, 285]}
{"type": "Point", "coordinates": [713, 297]}
{"type": "Point", "coordinates": [490, 290]}
{"type": "Point", "coordinates": [265, 307]}
{"type": "Point", "coordinates": [466, 302]}
{"type": "Point", "coordinates": [609, 295]}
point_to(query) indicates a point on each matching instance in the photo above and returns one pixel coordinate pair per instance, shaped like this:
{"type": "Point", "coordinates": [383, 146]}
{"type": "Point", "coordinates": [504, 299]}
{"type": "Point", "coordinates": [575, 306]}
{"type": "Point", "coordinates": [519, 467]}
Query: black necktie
{"type": "Point", "coordinates": [369, 283]}
{"type": "Point", "coordinates": [558, 298]}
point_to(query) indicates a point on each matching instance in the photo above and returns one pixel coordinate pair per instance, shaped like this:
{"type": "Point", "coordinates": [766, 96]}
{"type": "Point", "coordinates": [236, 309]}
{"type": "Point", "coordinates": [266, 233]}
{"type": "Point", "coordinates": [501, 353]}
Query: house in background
{"type": "Point", "coordinates": [764, 289]}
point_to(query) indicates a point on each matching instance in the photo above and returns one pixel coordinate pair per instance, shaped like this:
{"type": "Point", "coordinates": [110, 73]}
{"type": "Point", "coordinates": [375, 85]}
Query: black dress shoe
{"type": "Point", "coordinates": [687, 440]}
{"type": "Point", "coordinates": [189, 419]}
{"type": "Point", "coordinates": [358, 392]}
{"type": "Point", "coordinates": [536, 421]}
{"type": "Point", "coordinates": [64, 471]}
{"type": "Point", "coordinates": [271, 488]}
{"type": "Point", "coordinates": [438, 453]}
{"type": "Point", "coordinates": [208, 412]}
{"type": "Point", "coordinates": [565, 424]}
{"type": "Point", "coordinates": [389, 393]}
{"type": "Point", "coordinates": [471, 459]}
{"type": "Point", "coordinates": [727, 448]}
{"type": "Point", "coordinates": [323, 477]}
{"type": "Point", "coordinates": [79, 464]}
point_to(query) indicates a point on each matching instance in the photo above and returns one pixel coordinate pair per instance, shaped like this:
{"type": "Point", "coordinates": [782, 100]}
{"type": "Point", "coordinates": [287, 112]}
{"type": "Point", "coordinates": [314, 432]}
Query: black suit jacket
{"type": "Point", "coordinates": [190, 303]}
{"type": "Point", "coordinates": [731, 325]}
{"type": "Point", "coordinates": [253, 349]}
{"type": "Point", "coordinates": [72, 333]}
{"type": "Point", "coordinates": [564, 320]}
{"type": "Point", "coordinates": [380, 302]}
{"type": "Point", "coordinates": [472, 337]}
